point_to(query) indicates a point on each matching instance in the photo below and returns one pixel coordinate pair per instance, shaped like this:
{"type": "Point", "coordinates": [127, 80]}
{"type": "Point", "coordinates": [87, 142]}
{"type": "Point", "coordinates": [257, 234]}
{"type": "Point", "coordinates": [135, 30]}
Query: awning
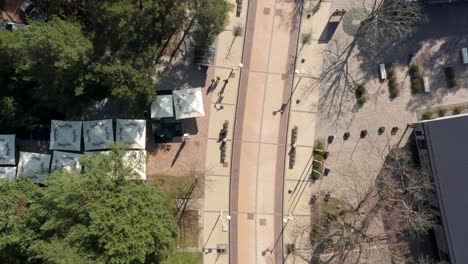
{"type": "Point", "coordinates": [188, 103]}
{"type": "Point", "coordinates": [162, 107]}
{"type": "Point", "coordinates": [98, 134]}
{"type": "Point", "coordinates": [65, 161]}
{"type": "Point", "coordinates": [8, 173]}
{"type": "Point", "coordinates": [136, 159]}
{"type": "Point", "coordinates": [33, 165]}
{"type": "Point", "coordinates": [7, 149]}
{"type": "Point", "coordinates": [65, 135]}
{"type": "Point", "coordinates": [131, 133]}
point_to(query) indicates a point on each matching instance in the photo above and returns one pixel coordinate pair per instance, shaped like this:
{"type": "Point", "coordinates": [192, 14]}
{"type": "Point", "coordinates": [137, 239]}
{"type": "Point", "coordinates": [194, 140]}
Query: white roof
{"type": "Point", "coordinates": [8, 173]}
{"type": "Point", "coordinates": [136, 159]}
{"type": "Point", "coordinates": [188, 103]}
{"type": "Point", "coordinates": [98, 134]}
{"type": "Point", "coordinates": [65, 135]}
{"type": "Point", "coordinates": [33, 165]}
{"type": "Point", "coordinates": [162, 107]}
{"type": "Point", "coordinates": [65, 161]}
{"type": "Point", "coordinates": [131, 133]}
{"type": "Point", "coordinates": [7, 149]}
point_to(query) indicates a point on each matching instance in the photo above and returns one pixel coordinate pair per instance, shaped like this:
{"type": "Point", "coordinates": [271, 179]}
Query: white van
{"type": "Point", "coordinates": [427, 88]}
{"type": "Point", "coordinates": [464, 53]}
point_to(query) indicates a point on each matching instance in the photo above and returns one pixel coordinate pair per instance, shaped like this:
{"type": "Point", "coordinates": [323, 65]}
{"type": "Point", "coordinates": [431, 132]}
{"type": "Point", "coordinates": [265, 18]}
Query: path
{"type": "Point", "coordinates": [259, 142]}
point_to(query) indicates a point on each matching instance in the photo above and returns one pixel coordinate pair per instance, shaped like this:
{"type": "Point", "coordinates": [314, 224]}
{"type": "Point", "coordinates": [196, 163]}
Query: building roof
{"type": "Point", "coordinates": [162, 107]}
{"type": "Point", "coordinates": [8, 173]}
{"type": "Point", "coordinates": [65, 161]}
{"type": "Point", "coordinates": [131, 133]}
{"type": "Point", "coordinates": [188, 103]}
{"type": "Point", "coordinates": [33, 165]}
{"type": "Point", "coordinates": [98, 134]}
{"type": "Point", "coordinates": [7, 149]}
{"type": "Point", "coordinates": [65, 135]}
{"type": "Point", "coordinates": [447, 143]}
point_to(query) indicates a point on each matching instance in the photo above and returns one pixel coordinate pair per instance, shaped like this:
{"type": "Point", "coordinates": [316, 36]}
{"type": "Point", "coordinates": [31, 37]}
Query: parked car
{"type": "Point", "coordinates": [31, 11]}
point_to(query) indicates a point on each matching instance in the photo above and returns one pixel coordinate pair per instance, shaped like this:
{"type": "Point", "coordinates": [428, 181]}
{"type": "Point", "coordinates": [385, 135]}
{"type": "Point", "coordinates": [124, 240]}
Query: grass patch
{"type": "Point", "coordinates": [185, 258]}
{"type": "Point", "coordinates": [415, 79]}
{"type": "Point", "coordinates": [189, 229]}
{"type": "Point", "coordinates": [175, 186]}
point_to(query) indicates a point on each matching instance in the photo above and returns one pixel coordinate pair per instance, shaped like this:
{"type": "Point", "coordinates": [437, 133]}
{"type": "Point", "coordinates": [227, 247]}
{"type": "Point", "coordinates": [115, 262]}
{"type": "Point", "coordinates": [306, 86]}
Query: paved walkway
{"type": "Point", "coordinates": [259, 140]}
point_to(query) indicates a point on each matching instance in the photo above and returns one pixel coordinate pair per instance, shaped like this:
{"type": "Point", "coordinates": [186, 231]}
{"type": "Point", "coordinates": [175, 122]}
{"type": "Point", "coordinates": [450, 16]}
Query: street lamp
{"type": "Point", "coordinates": [287, 219]}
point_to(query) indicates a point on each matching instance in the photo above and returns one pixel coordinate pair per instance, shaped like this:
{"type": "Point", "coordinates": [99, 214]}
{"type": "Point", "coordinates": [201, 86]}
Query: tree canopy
{"type": "Point", "coordinates": [93, 50]}
{"type": "Point", "coordinates": [98, 216]}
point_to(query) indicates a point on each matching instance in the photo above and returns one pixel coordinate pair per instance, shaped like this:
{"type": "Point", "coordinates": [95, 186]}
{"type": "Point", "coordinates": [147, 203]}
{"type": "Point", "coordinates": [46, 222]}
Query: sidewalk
{"type": "Point", "coordinates": [303, 114]}
{"type": "Point", "coordinates": [222, 108]}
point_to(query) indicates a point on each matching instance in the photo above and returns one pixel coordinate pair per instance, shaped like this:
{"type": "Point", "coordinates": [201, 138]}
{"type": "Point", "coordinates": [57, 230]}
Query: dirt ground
{"type": "Point", "coordinates": [10, 10]}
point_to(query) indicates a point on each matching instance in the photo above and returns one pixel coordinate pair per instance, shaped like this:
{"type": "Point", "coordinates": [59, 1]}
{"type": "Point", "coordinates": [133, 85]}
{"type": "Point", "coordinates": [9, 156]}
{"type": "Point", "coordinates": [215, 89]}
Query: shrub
{"type": "Point", "coordinates": [416, 85]}
{"type": "Point", "coordinates": [442, 112]}
{"type": "Point", "coordinates": [391, 72]}
{"type": "Point", "coordinates": [362, 100]}
{"type": "Point", "coordinates": [450, 77]}
{"type": "Point", "coordinates": [427, 115]}
{"type": "Point", "coordinates": [415, 78]}
{"type": "Point", "coordinates": [394, 92]}
{"type": "Point", "coordinates": [361, 95]}
{"type": "Point", "coordinates": [414, 70]}
{"type": "Point", "coordinates": [360, 90]}
{"type": "Point", "coordinates": [458, 109]}
{"type": "Point", "coordinates": [319, 144]}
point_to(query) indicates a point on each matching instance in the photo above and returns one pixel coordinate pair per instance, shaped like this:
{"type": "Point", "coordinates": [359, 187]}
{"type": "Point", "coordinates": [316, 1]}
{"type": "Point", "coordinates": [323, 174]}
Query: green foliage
{"type": "Point", "coordinates": [427, 115]}
{"type": "Point", "coordinates": [319, 157]}
{"type": "Point", "coordinates": [361, 95]}
{"type": "Point", "coordinates": [93, 217]}
{"type": "Point", "coordinates": [458, 109]}
{"type": "Point", "coordinates": [185, 258]}
{"type": "Point", "coordinates": [47, 60]}
{"type": "Point", "coordinates": [211, 17]}
{"type": "Point", "coordinates": [134, 89]}
{"type": "Point", "coordinates": [442, 112]}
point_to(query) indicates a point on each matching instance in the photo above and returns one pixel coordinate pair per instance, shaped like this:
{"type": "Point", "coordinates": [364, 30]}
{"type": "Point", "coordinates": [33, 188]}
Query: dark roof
{"type": "Point", "coordinates": [447, 142]}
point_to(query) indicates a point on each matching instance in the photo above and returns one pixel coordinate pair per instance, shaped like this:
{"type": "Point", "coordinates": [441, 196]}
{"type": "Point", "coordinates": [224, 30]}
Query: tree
{"type": "Point", "coordinates": [386, 21]}
{"type": "Point", "coordinates": [130, 87]}
{"type": "Point", "coordinates": [98, 216]}
{"type": "Point", "coordinates": [211, 17]}
{"type": "Point", "coordinates": [43, 65]}
{"type": "Point", "coordinates": [390, 20]}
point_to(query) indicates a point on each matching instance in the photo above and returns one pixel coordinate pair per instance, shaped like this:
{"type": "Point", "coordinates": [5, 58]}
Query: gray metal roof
{"type": "Point", "coordinates": [447, 142]}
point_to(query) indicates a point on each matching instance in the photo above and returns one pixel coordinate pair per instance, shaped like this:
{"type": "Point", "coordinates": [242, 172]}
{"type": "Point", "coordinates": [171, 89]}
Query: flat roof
{"type": "Point", "coordinates": [447, 143]}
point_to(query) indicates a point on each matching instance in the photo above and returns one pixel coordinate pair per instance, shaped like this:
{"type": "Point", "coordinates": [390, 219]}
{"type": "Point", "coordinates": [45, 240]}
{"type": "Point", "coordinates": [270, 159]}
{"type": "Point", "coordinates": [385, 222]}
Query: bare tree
{"type": "Point", "coordinates": [385, 22]}
{"type": "Point", "coordinates": [237, 31]}
{"type": "Point", "coordinates": [391, 19]}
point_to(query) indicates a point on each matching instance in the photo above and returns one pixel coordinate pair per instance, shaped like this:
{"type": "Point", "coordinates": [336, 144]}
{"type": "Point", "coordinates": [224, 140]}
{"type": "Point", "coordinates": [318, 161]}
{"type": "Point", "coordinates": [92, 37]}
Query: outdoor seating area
{"type": "Point", "coordinates": [66, 148]}
{"type": "Point", "coordinates": [167, 131]}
